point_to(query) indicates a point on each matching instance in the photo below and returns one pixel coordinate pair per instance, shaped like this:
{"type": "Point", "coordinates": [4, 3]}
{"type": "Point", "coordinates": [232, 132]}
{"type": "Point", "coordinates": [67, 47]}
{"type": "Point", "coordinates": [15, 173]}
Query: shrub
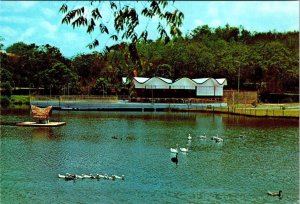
{"type": "Point", "coordinates": [7, 90]}
{"type": "Point", "coordinates": [287, 100]}
{"type": "Point", "coordinates": [5, 101]}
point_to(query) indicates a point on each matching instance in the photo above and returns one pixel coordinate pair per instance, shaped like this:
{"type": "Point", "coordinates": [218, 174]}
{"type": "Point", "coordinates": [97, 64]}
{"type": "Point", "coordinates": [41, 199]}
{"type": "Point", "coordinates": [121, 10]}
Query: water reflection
{"type": "Point", "coordinates": [238, 170]}
{"type": "Point", "coordinates": [263, 122]}
{"type": "Point", "coordinates": [42, 133]}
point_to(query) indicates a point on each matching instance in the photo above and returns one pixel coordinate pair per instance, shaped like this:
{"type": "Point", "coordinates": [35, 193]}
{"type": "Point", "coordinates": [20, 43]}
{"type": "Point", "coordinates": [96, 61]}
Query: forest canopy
{"type": "Point", "coordinates": [268, 61]}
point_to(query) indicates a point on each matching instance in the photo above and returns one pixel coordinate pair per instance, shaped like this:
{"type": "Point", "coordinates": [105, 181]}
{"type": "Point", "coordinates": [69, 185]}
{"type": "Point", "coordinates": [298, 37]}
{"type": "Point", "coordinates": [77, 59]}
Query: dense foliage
{"type": "Point", "coordinates": [266, 61]}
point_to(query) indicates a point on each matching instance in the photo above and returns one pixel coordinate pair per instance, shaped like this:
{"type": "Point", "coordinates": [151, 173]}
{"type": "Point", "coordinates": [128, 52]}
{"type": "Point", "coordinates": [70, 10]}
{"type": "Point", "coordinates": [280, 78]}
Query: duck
{"type": "Point", "coordinates": [119, 177]}
{"type": "Point", "coordinates": [279, 194]}
{"type": "Point", "coordinates": [189, 137]}
{"type": "Point", "coordinates": [106, 176]}
{"type": "Point", "coordinates": [173, 150]}
{"type": "Point", "coordinates": [87, 176]}
{"type": "Point", "coordinates": [69, 177]}
{"type": "Point", "coordinates": [78, 176]}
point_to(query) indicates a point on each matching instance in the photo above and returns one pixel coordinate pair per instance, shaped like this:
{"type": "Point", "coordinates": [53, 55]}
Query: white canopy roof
{"type": "Point", "coordinates": [158, 83]}
{"type": "Point", "coordinates": [222, 81]}
{"type": "Point", "coordinates": [184, 83]}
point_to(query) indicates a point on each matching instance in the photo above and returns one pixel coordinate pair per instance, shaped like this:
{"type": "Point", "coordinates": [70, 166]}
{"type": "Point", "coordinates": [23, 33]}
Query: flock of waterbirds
{"type": "Point", "coordinates": [217, 139]}
{"type": "Point", "coordinates": [73, 177]}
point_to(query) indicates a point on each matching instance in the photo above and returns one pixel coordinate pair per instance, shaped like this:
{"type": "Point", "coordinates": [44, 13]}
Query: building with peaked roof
{"type": "Point", "coordinates": [180, 88]}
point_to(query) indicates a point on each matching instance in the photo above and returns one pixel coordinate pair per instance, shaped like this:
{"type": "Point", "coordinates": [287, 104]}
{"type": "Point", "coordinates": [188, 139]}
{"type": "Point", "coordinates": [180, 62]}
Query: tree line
{"type": "Point", "coordinates": [264, 61]}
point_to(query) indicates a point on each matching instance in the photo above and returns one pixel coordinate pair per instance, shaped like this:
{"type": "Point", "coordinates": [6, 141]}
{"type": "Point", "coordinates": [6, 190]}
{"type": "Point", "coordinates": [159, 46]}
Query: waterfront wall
{"type": "Point", "coordinates": [257, 112]}
{"type": "Point", "coordinates": [121, 105]}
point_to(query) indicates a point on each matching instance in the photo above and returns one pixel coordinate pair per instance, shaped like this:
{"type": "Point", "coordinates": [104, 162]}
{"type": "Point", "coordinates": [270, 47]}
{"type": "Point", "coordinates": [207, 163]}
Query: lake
{"type": "Point", "coordinates": [257, 155]}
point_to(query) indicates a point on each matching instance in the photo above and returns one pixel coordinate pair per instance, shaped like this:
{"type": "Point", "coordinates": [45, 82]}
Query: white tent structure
{"type": "Point", "coordinates": [184, 83]}
{"type": "Point", "coordinates": [139, 82]}
{"type": "Point", "coordinates": [149, 83]}
{"type": "Point", "coordinates": [158, 83]}
{"type": "Point", "coordinates": [210, 86]}
{"type": "Point", "coordinates": [219, 86]}
{"type": "Point", "coordinates": [202, 86]}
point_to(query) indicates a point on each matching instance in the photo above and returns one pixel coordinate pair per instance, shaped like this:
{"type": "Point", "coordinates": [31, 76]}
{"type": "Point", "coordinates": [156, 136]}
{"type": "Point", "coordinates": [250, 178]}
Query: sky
{"type": "Point", "coordinates": [39, 22]}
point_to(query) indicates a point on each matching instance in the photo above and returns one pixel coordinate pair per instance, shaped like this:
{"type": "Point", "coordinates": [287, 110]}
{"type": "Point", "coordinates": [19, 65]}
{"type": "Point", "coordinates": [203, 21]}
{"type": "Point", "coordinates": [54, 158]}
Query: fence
{"type": "Point", "coordinates": [176, 100]}
{"type": "Point", "coordinates": [73, 98]}
{"type": "Point", "coordinates": [262, 112]}
{"type": "Point", "coordinates": [242, 97]}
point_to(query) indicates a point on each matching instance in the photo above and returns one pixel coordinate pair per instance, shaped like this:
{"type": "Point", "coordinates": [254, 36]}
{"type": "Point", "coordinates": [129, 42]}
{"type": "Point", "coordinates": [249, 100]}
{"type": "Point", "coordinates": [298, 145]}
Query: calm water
{"type": "Point", "coordinates": [240, 170]}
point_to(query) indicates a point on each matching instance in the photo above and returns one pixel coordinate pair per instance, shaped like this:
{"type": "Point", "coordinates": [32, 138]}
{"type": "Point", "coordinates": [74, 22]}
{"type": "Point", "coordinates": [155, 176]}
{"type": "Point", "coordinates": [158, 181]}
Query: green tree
{"type": "Point", "coordinates": [126, 20]}
{"type": "Point", "coordinates": [61, 77]}
{"type": "Point", "coordinates": [101, 86]}
{"type": "Point", "coordinates": [7, 89]}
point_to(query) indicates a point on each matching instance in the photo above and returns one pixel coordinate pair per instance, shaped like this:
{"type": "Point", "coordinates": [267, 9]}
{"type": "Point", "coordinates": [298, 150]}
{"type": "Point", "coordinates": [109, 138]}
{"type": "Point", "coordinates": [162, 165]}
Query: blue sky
{"type": "Point", "coordinates": [40, 22]}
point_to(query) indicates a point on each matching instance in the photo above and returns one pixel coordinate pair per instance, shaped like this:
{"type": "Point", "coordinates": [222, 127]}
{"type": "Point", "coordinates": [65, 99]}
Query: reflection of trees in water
{"type": "Point", "coordinates": [246, 121]}
{"type": "Point", "coordinates": [43, 132]}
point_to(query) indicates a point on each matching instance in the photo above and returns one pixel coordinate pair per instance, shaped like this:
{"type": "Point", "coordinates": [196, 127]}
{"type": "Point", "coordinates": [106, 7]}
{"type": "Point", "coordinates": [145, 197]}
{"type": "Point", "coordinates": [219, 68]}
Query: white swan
{"type": "Point", "coordinates": [217, 138]}
{"type": "Point", "coordinates": [189, 137]}
{"type": "Point", "coordinates": [183, 149]}
{"type": "Point", "coordinates": [173, 150]}
{"type": "Point", "coordinates": [203, 136]}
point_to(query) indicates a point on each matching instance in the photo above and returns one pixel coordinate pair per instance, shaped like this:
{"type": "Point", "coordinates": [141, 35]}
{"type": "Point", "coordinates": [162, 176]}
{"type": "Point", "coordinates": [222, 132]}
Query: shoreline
{"type": "Point", "coordinates": [264, 110]}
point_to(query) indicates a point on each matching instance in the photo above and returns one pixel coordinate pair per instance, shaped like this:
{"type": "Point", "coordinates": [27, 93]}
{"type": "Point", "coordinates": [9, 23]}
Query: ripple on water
{"type": "Point", "coordinates": [239, 170]}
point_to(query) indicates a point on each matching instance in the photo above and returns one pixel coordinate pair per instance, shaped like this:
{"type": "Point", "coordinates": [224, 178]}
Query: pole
{"type": "Point", "coordinates": [68, 89]}
{"type": "Point", "coordinates": [239, 73]}
{"type": "Point", "coordinates": [238, 99]}
{"type": "Point", "coordinates": [50, 89]}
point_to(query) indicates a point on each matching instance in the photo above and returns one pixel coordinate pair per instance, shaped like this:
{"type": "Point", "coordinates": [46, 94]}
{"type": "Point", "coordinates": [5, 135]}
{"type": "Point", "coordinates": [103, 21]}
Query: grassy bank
{"type": "Point", "coordinates": [19, 102]}
{"type": "Point", "coordinates": [288, 110]}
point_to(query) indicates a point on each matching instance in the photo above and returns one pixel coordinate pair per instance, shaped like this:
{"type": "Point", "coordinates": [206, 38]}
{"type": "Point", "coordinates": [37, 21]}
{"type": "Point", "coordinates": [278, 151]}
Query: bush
{"type": "Point", "coordinates": [287, 100]}
{"type": "Point", "coordinates": [5, 101]}
{"type": "Point", "coordinates": [7, 90]}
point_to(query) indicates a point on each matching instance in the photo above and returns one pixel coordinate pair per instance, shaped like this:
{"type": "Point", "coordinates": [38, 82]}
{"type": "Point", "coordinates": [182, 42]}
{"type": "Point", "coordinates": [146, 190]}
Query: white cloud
{"type": "Point", "coordinates": [26, 4]}
{"type": "Point", "coordinates": [13, 19]}
{"type": "Point", "coordinates": [213, 12]}
{"type": "Point", "coordinates": [27, 34]}
{"type": "Point", "coordinates": [215, 23]}
{"type": "Point", "coordinates": [48, 26]}
{"type": "Point", "coordinates": [288, 8]}
{"type": "Point", "coordinates": [49, 13]}
{"type": "Point", "coordinates": [198, 22]}
{"type": "Point", "coordinates": [7, 31]}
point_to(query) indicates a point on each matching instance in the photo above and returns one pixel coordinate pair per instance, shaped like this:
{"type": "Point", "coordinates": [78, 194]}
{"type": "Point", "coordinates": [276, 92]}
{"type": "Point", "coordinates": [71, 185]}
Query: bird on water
{"type": "Point", "coordinates": [173, 150]}
{"type": "Point", "coordinates": [175, 159]}
{"type": "Point", "coordinates": [279, 194]}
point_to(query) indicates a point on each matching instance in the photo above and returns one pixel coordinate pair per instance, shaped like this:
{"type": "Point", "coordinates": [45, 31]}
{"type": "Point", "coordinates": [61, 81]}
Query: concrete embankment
{"type": "Point", "coordinates": [123, 105]}
{"type": "Point", "coordinates": [256, 112]}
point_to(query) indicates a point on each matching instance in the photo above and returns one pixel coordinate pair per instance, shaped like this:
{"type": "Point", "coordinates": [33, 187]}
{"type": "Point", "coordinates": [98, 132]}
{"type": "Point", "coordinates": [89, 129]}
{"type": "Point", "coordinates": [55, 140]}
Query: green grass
{"type": "Point", "coordinates": [19, 99]}
{"type": "Point", "coordinates": [19, 102]}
